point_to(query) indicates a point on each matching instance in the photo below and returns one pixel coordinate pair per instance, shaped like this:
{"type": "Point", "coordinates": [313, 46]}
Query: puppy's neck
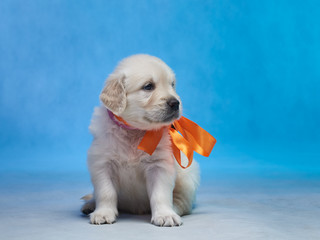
{"type": "Point", "coordinates": [131, 134]}
{"type": "Point", "coordinates": [120, 122]}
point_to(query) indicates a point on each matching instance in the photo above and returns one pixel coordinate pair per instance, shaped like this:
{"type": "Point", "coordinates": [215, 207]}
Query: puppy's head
{"type": "Point", "coordinates": [141, 90]}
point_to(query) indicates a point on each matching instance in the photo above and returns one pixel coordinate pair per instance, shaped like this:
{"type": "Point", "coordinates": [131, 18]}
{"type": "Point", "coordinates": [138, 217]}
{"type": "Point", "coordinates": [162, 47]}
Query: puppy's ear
{"type": "Point", "coordinates": [113, 95]}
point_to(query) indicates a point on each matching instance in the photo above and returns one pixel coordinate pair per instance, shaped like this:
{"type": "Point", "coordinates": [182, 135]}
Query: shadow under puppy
{"type": "Point", "coordinates": [141, 91]}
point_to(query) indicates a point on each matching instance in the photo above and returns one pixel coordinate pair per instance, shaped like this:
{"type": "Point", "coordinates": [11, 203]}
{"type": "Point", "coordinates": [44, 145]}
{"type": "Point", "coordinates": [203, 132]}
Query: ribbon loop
{"type": "Point", "coordinates": [180, 144]}
{"type": "Point", "coordinates": [201, 141]}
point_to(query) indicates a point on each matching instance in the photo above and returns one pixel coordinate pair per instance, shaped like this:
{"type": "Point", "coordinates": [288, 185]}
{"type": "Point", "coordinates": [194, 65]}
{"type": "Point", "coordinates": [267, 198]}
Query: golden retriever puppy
{"type": "Point", "coordinates": [141, 91]}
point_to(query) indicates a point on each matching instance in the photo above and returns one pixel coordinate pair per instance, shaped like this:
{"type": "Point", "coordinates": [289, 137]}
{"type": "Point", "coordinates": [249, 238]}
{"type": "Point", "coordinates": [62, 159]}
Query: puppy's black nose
{"type": "Point", "coordinates": [173, 104]}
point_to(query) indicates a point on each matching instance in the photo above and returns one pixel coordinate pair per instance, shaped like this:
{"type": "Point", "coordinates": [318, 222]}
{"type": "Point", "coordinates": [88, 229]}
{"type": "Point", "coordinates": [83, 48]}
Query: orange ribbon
{"type": "Point", "coordinates": [192, 138]}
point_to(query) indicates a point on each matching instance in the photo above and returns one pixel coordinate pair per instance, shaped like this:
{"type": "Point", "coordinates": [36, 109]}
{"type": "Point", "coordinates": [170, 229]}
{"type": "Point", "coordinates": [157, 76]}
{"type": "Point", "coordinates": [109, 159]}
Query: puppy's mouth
{"type": "Point", "coordinates": [171, 117]}
{"type": "Point", "coordinates": [167, 118]}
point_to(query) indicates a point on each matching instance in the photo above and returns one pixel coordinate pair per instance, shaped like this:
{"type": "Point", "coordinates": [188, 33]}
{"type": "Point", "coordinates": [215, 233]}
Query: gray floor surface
{"type": "Point", "coordinates": [46, 206]}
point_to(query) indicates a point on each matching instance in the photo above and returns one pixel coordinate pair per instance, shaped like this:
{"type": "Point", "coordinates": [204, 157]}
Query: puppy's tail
{"type": "Point", "coordinates": [87, 197]}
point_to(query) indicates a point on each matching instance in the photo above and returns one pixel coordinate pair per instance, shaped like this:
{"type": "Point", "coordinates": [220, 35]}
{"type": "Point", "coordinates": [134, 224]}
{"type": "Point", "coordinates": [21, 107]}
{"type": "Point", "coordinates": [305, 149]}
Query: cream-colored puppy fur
{"type": "Point", "coordinates": [141, 90]}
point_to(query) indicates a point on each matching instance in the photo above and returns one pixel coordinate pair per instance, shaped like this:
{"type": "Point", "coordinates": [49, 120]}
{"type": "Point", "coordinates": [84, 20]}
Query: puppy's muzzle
{"type": "Point", "coordinates": [173, 104]}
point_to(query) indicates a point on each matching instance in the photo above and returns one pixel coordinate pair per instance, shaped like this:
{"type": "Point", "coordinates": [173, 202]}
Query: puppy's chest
{"type": "Point", "coordinates": [128, 151]}
{"type": "Point", "coordinates": [125, 147]}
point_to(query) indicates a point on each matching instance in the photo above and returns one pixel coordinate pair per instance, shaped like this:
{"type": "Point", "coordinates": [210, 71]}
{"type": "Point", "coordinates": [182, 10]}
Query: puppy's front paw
{"type": "Point", "coordinates": [166, 220]}
{"type": "Point", "coordinates": [102, 216]}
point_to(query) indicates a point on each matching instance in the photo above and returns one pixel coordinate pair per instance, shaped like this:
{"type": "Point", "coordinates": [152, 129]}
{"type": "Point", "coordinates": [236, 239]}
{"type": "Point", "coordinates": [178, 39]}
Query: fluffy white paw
{"type": "Point", "coordinates": [102, 216]}
{"type": "Point", "coordinates": [166, 220]}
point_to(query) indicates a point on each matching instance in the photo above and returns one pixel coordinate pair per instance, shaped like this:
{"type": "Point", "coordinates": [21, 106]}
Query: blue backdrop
{"type": "Point", "coordinates": [247, 71]}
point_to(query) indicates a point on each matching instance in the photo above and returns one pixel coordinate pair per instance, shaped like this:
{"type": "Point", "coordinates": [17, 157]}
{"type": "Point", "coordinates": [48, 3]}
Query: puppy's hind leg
{"type": "Point", "coordinates": [187, 182]}
{"type": "Point", "coordinates": [90, 204]}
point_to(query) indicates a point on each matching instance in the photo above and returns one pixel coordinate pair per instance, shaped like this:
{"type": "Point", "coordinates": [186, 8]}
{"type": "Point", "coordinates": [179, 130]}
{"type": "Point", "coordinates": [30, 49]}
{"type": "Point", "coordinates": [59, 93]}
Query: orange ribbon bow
{"type": "Point", "coordinates": [192, 138]}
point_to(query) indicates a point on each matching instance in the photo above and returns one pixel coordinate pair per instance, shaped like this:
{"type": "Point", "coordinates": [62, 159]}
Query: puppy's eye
{"type": "Point", "coordinates": [173, 84]}
{"type": "Point", "coordinates": [148, 87]}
